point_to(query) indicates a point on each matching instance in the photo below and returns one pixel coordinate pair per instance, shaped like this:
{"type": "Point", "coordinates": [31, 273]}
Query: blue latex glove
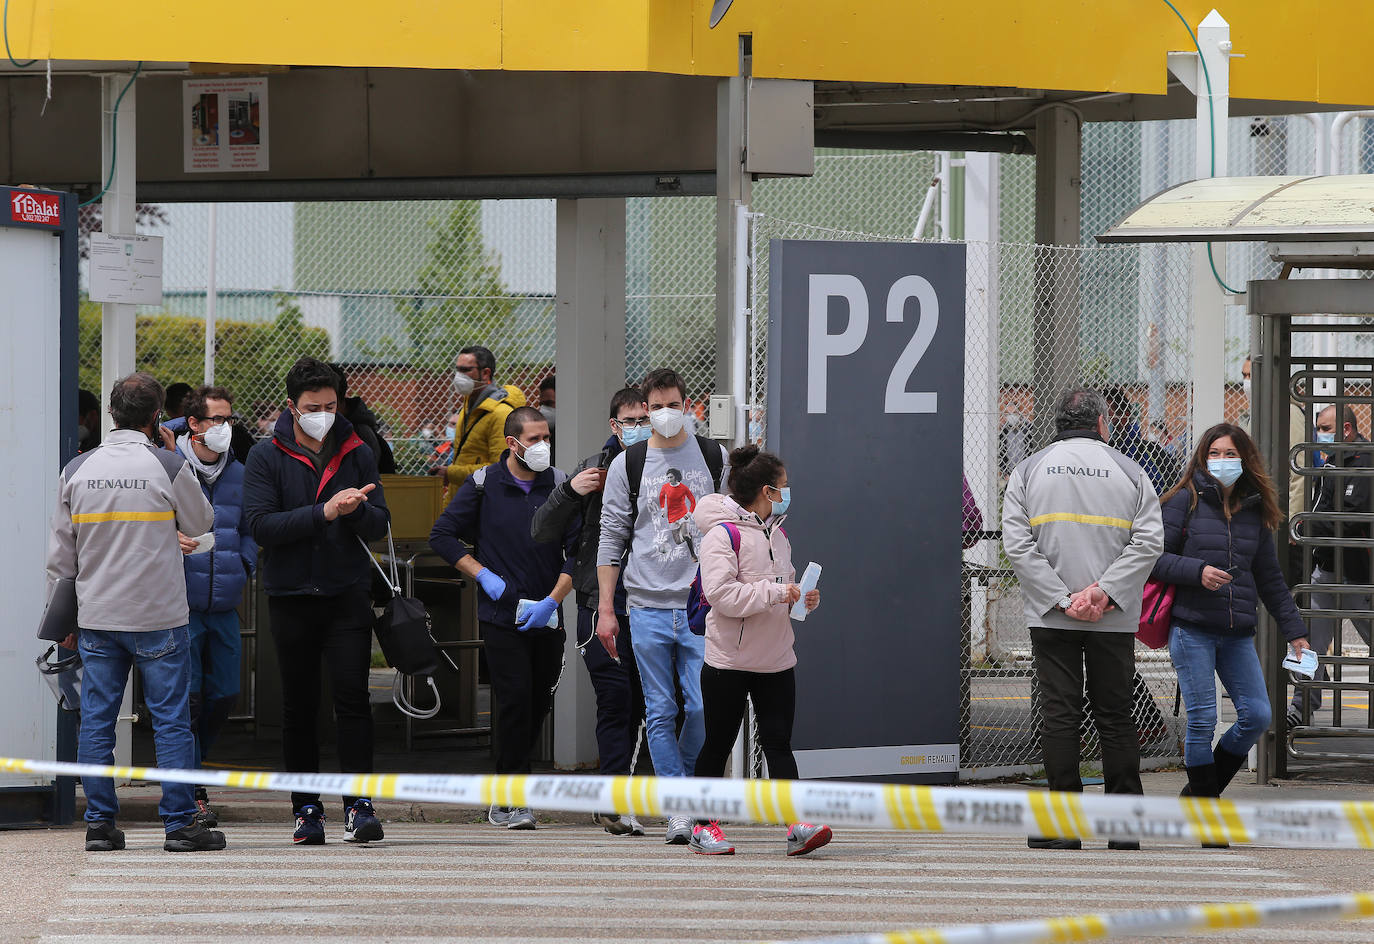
{"type": "Point", "coordinates": [491, 583]}
{"type": "Point", "coordinates": [537, 616]}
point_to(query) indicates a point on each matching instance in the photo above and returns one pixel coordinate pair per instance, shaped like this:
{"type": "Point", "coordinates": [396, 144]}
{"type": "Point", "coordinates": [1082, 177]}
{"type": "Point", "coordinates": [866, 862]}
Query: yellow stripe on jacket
{"type": "Point", "coordinates": [97, 517]}
{"type": "Point", "coordinates": [1081, 519]}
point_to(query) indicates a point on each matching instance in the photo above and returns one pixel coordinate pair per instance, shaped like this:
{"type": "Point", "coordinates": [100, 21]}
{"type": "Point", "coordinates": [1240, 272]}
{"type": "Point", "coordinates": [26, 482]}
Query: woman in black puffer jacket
{"type": "Point", "coordinates": [1219, 551]}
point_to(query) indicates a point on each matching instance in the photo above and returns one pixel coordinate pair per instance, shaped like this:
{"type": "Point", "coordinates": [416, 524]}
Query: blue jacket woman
{"type": "Point", "coordinates": [1219, 552]}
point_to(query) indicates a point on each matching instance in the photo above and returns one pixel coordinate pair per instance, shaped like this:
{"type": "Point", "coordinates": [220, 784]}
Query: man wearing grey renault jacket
{"type": "Point", "coordinates": [641, 527]}
{"type": "Point", "coordinates": [1082, 527]}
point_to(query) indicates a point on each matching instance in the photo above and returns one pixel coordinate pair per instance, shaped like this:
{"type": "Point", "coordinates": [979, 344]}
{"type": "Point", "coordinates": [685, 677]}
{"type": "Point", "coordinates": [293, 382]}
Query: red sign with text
{"type": "Point", "coordinates": [29, 207]}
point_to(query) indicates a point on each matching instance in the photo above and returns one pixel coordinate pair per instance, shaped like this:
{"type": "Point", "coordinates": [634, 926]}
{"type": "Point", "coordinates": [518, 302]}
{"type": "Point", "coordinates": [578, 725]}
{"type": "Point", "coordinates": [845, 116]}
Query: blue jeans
{"type": "Point", "coordinates": [163, 658]}
{"type": "Point", "coordinates": [1198, 657]}
{"type": "Point", "coordinates": [216, 651]}
{"type": "Point", "coordinates": [666, 651]}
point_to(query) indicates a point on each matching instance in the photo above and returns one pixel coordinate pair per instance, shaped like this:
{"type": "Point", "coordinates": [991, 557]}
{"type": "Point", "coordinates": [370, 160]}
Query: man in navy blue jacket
{"type": "Point", "coordinates": [218, 565]}
{"type": "Point", "coordinates": [311, 497]}
{"type": "Point", "coordinates": [485, 533]}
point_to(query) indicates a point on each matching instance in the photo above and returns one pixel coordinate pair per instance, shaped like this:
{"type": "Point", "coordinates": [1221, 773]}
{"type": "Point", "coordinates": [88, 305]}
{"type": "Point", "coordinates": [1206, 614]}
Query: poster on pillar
{"type": "Point", "coordinates": [865, 408]}
{"type": "Point", "coordinates": [226, 124]}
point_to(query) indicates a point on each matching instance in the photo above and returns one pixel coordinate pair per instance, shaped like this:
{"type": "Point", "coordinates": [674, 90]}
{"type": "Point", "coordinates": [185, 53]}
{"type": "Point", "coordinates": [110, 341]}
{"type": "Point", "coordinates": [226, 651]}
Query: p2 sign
{"type": "Point", "coordinates": [865, 407]}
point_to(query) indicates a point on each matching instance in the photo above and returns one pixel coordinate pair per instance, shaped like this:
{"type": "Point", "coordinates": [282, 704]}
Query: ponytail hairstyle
{"type": "Point", "coordinates": [750, 470]}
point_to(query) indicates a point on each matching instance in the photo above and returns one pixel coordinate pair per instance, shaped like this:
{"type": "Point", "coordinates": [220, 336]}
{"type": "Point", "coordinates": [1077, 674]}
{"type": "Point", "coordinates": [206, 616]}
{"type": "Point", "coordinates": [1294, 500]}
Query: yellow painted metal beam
{"type": "Point", "coordinates": [1307, 51]}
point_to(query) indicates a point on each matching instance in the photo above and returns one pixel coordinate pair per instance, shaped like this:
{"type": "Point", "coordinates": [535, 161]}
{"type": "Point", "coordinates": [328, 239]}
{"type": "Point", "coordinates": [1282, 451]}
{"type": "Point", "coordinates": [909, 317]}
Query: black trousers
{"type": "Point", "coordinates": [337, 631]}
{"type": "Point", "coordinates": [1060, 656]}
{"type": "Point", "coordinates": [619, 696]}
{"type": "Point", "coordinates": [524, 668]}
{"type": "Point", "coordinates": [723, 693]}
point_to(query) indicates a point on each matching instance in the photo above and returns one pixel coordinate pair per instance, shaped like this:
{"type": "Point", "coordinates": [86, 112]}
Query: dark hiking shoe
{"type": "Point", "coordinates": [103, 837]}
{"type": "Point", "coordinates": [194, 838]}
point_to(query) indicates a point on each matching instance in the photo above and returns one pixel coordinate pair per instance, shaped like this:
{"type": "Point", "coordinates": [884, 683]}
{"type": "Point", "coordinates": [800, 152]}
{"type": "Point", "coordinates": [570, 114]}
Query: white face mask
{"type": "Point", "coordinates": [462, 383]}
{"type": "Point", "coordinates": [82, 432]}
{"type": "Point", "coordinates": [667, 423]}
{"type": "Point", "coordinates": [316, 425]}
{"type": "Point", "coordinates": [217, 438]}
{"type": "Point", "coordinates": [1245, 386]}
{"type": "Point", "coordinates": [537, 457]}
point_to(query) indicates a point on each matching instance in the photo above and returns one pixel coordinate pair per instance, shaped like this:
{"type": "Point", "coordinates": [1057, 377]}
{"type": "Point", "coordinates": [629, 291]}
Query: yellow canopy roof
{"type": "Point", "coordinates": [1293, 51]}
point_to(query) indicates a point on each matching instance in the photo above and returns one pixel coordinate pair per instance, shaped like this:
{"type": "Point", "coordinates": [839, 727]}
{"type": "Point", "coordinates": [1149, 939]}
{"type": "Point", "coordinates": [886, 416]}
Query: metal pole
{"type": "Point", "coordinates": [739, 353]}
{"type": "Point", "coordinates": [734, 188]}
{"type": "Point", "coordinates": [211, 297]}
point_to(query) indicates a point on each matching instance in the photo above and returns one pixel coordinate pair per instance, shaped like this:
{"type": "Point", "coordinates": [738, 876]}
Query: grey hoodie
{"type": "Point", "coordinates": [1076, 513]}
{"type": "Point", "coordinates": [119, 508]}
{"type": "Point", "coordinates": [661, 563]}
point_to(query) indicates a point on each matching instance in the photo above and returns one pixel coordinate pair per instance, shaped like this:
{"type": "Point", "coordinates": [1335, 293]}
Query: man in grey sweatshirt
{"type": "Point", "coordinates": [1082, 527]}
{"type": "Point", "coordinates": [651, 489]}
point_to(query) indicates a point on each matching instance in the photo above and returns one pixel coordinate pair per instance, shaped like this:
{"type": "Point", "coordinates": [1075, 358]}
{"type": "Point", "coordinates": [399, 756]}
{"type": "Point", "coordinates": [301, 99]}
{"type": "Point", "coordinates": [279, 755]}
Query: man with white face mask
{"type": "Point", "coordinates": [645, 529]}
{"type": "Point", "coordinates": [485, 533]}
{"type": "Point", "coordinates": [479, 435]}
{"type": "Point", "coordinates": [218, 565]}
{"type": "Point", "coordinates": [310, 492]}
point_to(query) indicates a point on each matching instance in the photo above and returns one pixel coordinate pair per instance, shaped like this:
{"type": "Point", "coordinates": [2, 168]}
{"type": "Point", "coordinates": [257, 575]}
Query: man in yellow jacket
{"type": "Point", "coordinates": [479, 437]}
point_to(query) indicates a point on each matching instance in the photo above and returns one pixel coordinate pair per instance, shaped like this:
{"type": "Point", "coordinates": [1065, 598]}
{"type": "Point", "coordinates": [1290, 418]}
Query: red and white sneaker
{"type": "Point", "coordinates": [710, 840]}
{"type": "Point", "coordinates": [804, 837]}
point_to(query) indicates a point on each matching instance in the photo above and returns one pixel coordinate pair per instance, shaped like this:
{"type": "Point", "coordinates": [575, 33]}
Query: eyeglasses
{"type": "Point", "coordinates": [641, 423]}
{"type": "Point", "coordinates": [219, 420]}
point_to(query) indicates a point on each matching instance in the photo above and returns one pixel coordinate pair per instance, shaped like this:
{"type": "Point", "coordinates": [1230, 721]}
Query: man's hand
{"type": "Point", "coordinates": [169, 440]}
{"type": "Point", "coordinates": [1214, 578]}
{"type": "Point", "coordinates": [1089, 604]}
{"type": "Point", "coordinates": [492, 583]}
{"type": "Point", "coordinates": [588, 481]}
{"type": "Point", "coordinates": [607, 628]}
{"type": "Point", "coordinates": [537, 616]}
{"type": "Point", "coordinates": [346, 502]}
{"type": "Point", "coordinates": [188, 545]}
{"type": "Point", "coordinates": [69, 642]}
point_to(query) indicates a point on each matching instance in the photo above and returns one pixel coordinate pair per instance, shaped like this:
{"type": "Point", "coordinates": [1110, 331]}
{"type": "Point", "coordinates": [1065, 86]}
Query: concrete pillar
{"type": "Point", "coordinates": [590, 319]}
{"type": "Point", "coordinates": [1058, 160]}
{"type": "Point", "coordinates": [117, 355]}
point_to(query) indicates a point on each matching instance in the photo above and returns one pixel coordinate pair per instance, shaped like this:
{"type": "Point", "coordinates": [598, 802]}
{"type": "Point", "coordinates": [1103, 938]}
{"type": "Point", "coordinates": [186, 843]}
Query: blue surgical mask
{"type": "Point", "coordinates": [780, 507]}
{"type": "Point", "coordinates": [629, 435]}
{"type": "Point", "coordinates": [1225, 471]}
{"type": "Point", "coordinates": [1325, 437]}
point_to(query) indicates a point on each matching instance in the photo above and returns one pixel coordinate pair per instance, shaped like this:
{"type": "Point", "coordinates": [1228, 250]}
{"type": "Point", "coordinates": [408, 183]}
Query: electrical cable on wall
{"type": "Point", "coordinates": [1212, 131]}
{"type": "Point", "coordinates": [114, 139]}
{"type": "Point", "coordinates": [5, 28]}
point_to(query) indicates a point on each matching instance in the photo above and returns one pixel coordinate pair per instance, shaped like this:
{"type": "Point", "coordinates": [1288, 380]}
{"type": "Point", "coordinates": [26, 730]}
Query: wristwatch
{"type": "Point", "coordinates": [1065, 603]}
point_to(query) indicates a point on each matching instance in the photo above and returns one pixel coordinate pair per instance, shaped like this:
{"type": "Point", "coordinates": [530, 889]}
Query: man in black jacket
{"type": "Point", "coordinates": [619, 698]}
{"type": "Point", "coordinates": [1344, 494]}
{"type": "Point", "coordinates": [311, 498]}
{"type": "Point", "coordinates": [485, 533]}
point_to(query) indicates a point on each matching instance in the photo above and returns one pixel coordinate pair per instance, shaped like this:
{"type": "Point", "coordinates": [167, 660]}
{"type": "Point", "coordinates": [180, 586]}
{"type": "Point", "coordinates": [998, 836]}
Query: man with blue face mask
{"type": "Point", "coordinates": [619, 698]}
{"type": "Point", "coordinates": [1337, 492]}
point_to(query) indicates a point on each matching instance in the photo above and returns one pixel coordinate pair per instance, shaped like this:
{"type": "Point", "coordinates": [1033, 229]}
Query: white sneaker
{"type": "Point", "coordinates": [636, 828]}
{"type": "Point", "coordinates": [679, 831]}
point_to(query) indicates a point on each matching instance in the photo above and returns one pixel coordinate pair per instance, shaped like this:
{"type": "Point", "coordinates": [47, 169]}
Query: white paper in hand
{"type": "Point", "coordinates": [204, 542]}
{"type": "Point", "coordinates": [809, 580]}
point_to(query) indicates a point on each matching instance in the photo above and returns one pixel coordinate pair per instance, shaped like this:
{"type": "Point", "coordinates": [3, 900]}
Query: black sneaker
{"type": "Point", "coordinates": [361, 823]}
{"type": "Point", "coordinates": [309, 826]}
{"type": "Point", "coordinates": [1040, 842]}
{"type": "Point", "coordinates": [194, 838]}
{"type": "Point", "coordinates": [1124, 845]}
{"type": "Point", "coordinates": [204, 815]}
{"type": "Point", "coordinates": [103, 837]}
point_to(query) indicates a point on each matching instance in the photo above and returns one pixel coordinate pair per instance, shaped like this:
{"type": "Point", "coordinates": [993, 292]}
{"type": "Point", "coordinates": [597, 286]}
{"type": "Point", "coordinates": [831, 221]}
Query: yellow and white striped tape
{"type": "Point", "coordinates": [1092, 927]}
{"type": "Point", "coordinates": [1297, 824]}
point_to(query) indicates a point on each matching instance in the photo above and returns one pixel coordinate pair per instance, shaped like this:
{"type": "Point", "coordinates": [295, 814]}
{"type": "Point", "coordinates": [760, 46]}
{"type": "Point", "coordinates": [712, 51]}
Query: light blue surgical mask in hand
{"type": "Point", "coordinates": [1225, 471]}
{"type": "Point", "coordinates": [780, 507]}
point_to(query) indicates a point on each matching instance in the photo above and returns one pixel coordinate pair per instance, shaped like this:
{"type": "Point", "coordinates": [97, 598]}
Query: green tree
{"type": "Point", "coordinates": [459, 299]}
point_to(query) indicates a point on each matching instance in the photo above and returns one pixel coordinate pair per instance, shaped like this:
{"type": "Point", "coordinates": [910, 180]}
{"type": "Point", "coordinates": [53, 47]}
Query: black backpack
{"type": "Point", "coordinates": [636, 455]}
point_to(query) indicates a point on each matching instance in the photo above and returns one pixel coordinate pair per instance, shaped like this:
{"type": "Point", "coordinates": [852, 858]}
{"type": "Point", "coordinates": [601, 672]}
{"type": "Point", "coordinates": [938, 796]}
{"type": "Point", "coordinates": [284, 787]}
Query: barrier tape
{"type": "Point", "coordinates": [1090, 927]}
{"type": "Point", "coordinates": [1348, 825]}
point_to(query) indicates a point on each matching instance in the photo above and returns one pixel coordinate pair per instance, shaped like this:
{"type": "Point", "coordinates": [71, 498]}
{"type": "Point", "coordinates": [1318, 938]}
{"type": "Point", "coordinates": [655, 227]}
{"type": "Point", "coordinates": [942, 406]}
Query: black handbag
{"type": "Point", "coordinates": [405, 633]}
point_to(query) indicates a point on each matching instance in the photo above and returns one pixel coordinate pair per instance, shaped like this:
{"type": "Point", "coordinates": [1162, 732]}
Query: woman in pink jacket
{"type": "Point", "coordinates": [749, 632]}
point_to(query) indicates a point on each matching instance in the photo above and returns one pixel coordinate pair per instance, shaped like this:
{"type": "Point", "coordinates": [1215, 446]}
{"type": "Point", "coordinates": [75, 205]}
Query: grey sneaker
{"type": "Point", "coordinates": [521, 818]}
{"type": "Point", "coordinates": [636, 827]}
{"type": "Point", "coordinates": [499, 816]}
{"type": "Point", "coordinates": [613, 824]}
{"type": "Point", "coordinates": [710, 840]}
{"type": "Point", "coordinates": [804, 837]}
{"type": "Point", "coordinates": [679, 831]}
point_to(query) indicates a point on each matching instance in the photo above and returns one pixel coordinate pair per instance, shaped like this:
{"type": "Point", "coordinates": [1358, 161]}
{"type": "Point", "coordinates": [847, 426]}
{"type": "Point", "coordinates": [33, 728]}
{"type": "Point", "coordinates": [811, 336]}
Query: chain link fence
{"type": "Point", "coordinates": [392, 291]}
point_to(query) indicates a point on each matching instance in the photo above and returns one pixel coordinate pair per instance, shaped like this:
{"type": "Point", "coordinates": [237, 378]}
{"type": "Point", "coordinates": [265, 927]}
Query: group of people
{"type": "Point", "coordinates": [1085, 528]}
{"type": "Point", "coordinates": [629, 531]}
